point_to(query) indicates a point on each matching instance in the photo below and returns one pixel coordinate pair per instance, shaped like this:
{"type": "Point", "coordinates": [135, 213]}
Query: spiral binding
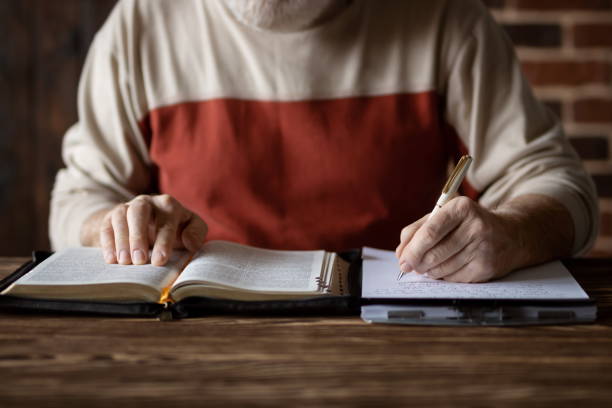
{"type": "Point", "coordinates": [340, 275]}
{"type": "Point", "coordinates": [321, 284]}
{"type": "Point", "coordinates": [326, 287]}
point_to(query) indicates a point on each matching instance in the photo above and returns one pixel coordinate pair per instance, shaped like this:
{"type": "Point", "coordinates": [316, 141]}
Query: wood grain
{"type": "Point", "coordinates": [57, 361]}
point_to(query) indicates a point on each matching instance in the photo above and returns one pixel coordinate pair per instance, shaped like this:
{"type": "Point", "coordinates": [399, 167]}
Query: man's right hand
{"type": "Point", "coordinates": [127, 232]}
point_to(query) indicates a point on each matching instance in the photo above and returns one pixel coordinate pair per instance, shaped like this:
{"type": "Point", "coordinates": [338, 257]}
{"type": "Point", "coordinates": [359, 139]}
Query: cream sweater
{"type": "Point", "coordinates": [335, 136]}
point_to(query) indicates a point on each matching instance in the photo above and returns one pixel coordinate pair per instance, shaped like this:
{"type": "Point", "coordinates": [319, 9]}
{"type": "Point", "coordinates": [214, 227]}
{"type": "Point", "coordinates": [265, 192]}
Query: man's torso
{"type": "Point", "coordinates": [332, 137]}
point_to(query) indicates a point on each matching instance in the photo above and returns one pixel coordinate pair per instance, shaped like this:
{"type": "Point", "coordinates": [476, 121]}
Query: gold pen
{"type": "Point", "coordinates": [450, 188]}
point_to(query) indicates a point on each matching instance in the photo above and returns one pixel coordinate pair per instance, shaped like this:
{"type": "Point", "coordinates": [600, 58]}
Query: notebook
{"type": "Point", "coordinates": [534, 295]}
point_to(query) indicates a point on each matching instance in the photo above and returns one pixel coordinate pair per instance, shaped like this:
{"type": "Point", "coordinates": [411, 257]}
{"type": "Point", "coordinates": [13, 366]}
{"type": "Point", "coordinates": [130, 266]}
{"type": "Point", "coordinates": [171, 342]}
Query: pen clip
{"type": "Point", "coordinates": [457, 174]}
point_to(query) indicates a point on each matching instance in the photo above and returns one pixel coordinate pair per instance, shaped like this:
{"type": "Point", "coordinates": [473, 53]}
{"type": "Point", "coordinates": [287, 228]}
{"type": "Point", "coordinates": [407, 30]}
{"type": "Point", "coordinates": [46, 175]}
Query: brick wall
{"type": "Point", "coordinates": [565, 47]}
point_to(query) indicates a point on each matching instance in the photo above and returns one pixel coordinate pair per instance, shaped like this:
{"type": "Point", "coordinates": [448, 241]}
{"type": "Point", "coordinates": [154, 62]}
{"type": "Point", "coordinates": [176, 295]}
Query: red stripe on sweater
{"type": "Point", "coordinates": [332, 174]}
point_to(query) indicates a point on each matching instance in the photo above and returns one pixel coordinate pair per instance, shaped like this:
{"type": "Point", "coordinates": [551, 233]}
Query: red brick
{"type": "Point", "coordinates": [593, 111]}
{"type": "Point", "coordinates": [494, 3]}
{"type": "Point", "coordinates": [567, 73]}
{"type": "Point", "coordinates": [593, 35]}
{"type": "Point", "coordinates": [606, 225]}
{"type": "Point", "coordinates": [535, 35]}
{"type": "Point", "coordinates": [599, 253]}
{"type": "Point", "coordinates": [548, 5]}
{"type": "Point", "coordinates": [603, 182]}
{"type": "Point", "coordinates": [591, 147]}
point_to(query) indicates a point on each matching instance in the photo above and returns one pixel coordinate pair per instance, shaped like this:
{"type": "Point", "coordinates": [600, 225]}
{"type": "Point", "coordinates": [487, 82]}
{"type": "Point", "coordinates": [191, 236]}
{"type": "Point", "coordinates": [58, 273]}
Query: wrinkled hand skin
{"type": "Point", "coordinates": [127, 231]}
{"type": "Point", "coordinates": [465, 242]}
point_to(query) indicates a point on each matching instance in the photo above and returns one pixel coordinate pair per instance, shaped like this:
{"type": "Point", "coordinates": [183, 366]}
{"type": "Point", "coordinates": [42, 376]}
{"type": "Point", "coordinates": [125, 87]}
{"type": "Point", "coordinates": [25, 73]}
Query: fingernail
{"type": "Point", "coordinates": [124, 257]}
{"type": "Point", "coordinates": [138, 257]}
{"type": "Point", "coordinates": [405, 266]}
{"type": "Point", "coordinates": [158, 257]}
{"type": "Point", "coordinates": [108, 256]}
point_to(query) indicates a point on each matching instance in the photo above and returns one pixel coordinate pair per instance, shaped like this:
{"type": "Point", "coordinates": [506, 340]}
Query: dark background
{"type": "Point", "coordinates": [565, 46]}
{"type": "Point", "coordinates": [42, 48]}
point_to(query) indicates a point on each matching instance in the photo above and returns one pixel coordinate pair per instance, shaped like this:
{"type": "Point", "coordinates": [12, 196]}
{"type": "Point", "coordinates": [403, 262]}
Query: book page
{"type": "Point", "coordinates": [86, 266]}
{"type": "Point", "coordinates": [548, 281]}
{"type": "Point", "coordinates": [242, 267]}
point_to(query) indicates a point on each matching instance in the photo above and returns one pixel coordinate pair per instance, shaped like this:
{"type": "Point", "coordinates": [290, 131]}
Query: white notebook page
{"type": "Point", "coordinates": [250, 268]}
{"type": "Point", "coordinates": [547, 281]}
{"type": "Point", "coordinates": [86, 266]}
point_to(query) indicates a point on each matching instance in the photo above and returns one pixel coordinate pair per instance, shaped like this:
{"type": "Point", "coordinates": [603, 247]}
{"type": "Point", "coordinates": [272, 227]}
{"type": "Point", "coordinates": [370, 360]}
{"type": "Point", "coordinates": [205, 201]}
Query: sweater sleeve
{"type": "Point", "coordinates": [105, 156]}
{"type": "Point", "coordinates": [518, 145]}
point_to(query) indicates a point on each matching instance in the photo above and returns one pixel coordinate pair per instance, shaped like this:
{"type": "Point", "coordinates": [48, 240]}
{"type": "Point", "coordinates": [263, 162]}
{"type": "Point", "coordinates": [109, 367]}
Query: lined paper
{"type": "Point", "coordinates": [550, 281]}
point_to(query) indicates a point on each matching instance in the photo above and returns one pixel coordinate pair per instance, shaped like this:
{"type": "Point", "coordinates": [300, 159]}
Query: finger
{"type": "Point", "coordinates": [481, 266]}
{"type": "Point", "coordinates": [431, 232]}
{"type": "Point", "coordinates": [107, 240]}
{"type": "Point", "coordinates": [407, 234]}
{"type": "Point", "coordinates": [454, 242]}
{"type": "Point", "coordinates": [193, 233]}
{"type": "Point", "coordinates": [168, 213]}
{"type": "Point", "coordinates": [164, 242]}
{"type": "Point", "coordinates": [454, 263]}
{"type": "Point", "coordinates": [121, 234]}
{"type": "Point", "coordinates": [471, 272]}
{"type": "Point", "coordinates": [138, 215]}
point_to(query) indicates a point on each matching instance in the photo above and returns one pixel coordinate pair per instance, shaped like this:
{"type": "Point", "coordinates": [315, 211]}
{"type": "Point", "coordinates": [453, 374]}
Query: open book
{"type": "Point", "coordinates": [220, 270]}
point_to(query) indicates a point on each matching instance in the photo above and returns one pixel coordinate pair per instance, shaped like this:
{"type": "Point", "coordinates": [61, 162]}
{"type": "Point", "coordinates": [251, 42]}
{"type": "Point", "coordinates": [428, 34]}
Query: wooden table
{"type": "Point", "coordinates": [64, 361]}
